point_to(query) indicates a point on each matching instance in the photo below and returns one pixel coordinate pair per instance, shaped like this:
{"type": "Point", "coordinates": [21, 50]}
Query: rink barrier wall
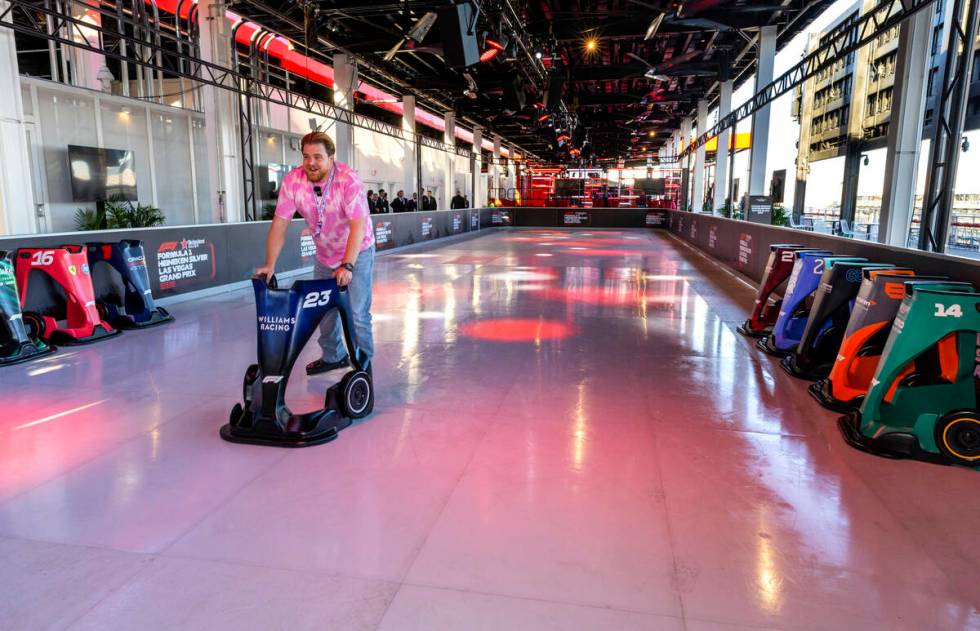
{"type": "Point", "coordinates": [196, 258]}
{"type": "Point", "coordinates": [187, 259]}
{"type": "Point", "coordinates": [744, 247]}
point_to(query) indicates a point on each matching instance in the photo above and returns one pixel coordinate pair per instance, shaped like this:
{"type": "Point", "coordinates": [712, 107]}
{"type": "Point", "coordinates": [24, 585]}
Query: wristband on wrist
{"type": "Point", "coordinates": [348, 266]}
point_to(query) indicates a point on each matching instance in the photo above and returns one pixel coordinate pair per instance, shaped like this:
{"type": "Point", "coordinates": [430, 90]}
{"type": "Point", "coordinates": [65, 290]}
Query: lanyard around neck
{"type": "Point", "coordinates": [320, 201]}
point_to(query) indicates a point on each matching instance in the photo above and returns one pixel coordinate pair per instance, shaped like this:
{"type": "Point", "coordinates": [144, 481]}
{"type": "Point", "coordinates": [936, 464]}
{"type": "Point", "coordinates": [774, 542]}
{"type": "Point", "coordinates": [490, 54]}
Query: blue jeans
{"type": "Point", "coordinates": [359, 290]}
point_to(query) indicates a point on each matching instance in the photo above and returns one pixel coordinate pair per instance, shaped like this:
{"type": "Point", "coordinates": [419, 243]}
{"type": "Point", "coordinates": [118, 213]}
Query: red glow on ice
{"type": "Point", "coordinates": [610, 296]}
{"type": "Point", "coordinates": [606, 252]}
{"type": "Point", "coordinates": [517, 330]}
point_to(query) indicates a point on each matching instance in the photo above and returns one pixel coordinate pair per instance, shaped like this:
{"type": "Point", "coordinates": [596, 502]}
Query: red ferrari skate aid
{"type": "Point", "coordinates": [57, 295]}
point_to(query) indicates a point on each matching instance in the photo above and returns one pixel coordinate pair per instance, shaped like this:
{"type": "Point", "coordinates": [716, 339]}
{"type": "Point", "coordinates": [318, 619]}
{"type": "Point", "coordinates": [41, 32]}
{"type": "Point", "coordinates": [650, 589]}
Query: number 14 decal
{"type": "Point", "coordinates": [953, 311]}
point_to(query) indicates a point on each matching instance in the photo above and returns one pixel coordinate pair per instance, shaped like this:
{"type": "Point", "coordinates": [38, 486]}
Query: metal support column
{"type": "Point", "coordinates": [905, 129]}
{"type": "Point", "coordinates": [449, 175]}
{"type": "Point", "coordinates": [760, 120]}
{"type": "Point", "coordinates": [698, 196]}
{"type": "Point", "coordinates": [950, 114]}
{"type": "Point", "coordinates": [410, 173]}
{"type": "Point", "coordinates": [732, 202]}
{"type": "Point", "coordinates": [16, 193]}
{"type": "Point", "coordinates": [686, 172]}
{"type": "Point", "coordinates": [725, 138]}
{"type": "Point", "coordinates": [849, 188]}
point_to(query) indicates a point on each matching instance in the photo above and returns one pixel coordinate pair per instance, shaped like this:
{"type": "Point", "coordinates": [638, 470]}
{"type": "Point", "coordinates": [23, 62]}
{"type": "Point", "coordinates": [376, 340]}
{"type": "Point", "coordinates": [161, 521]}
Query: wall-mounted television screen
{"type": "Point", "coordinates": [270, 178]}
{"type": "Point", "coordinates": [650, 185]}
{"type": "Point", "coordinates": [100, 174]}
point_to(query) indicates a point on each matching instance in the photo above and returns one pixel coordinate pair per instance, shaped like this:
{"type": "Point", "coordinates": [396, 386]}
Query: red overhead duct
{"type": "Point", "coordinates": [304, 66]}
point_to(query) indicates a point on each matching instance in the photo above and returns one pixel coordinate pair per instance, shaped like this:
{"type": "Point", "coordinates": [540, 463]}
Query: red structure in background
{"type": "Point", "coordinates": [537, 187]}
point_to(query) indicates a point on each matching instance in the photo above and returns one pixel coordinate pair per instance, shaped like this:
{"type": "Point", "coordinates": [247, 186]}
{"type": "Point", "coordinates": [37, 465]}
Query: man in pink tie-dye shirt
{"type": "Point", "coordinates": [330, 196]}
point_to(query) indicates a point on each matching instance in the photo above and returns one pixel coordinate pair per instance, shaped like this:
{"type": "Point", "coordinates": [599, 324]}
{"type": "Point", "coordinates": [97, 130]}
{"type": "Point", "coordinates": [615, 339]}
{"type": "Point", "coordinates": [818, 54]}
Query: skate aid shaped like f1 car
{"type": "Point", "coordinates": [874, 312]}
{"type": "Point", "coordinates": [57, 295]}
{"type": "Point", "coordinates": [766, 309]}
{"type": "Point", "coordinates": [287, 318]}
{"type": "Point", "coordinates": [793, 311]}
{"type": "Point", "coordinates": [816, 351]}
{"type": "Point", "coordinates": [923, 398]}
{"type": "Point", "coordinates": [16, 345]}
{"type": "Point", "coordinates": [122, 285]}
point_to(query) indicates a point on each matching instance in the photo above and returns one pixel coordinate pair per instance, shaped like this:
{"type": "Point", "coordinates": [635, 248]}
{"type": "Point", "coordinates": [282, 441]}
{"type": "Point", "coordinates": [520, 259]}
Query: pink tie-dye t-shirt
{"type": "Point", "coordinates": [345, 201]}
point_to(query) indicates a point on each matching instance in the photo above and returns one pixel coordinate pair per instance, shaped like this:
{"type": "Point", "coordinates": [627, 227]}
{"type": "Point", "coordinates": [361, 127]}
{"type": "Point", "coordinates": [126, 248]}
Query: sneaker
{"type": "Point", "coordinates": [320, 366]}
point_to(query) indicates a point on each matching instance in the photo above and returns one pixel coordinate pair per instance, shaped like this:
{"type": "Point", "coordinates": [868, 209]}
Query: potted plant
{"type": "Point", "coordinates": [779, 217]}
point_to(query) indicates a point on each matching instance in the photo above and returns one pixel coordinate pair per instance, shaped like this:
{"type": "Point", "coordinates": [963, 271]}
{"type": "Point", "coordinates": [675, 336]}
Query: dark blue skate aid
{"type": "Point", "coordinates": [791, 324]}
{"type": "Point", "coordinates": [122, 285]}
{"type": "Point", "coordinates": [287, 318]}
{"type": "Point", "coordinates": [819, 345]}
{"type": "Point", "coordinates": [791, 321]}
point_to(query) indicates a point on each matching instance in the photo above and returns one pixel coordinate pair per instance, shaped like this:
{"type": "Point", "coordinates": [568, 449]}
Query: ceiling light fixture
{"type": "Point", "coordinates": [654, 27]}
{"type": "Point", "coordinates": [417, 33]}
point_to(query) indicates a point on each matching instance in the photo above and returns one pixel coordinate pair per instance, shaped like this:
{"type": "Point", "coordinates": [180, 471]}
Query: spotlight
{"type": "Point", "coordinates": [537, 54]}
{"type": "Point", "coordinates": [500, 43]}
{"type": "Point", "coordinates": [489, 54]}
{"type": "Point", "coordinates": [591, 44]}
{"type": "Point", "coordinates": [654, 27]}
{"type": "Point", "coordinates": [421, 27]}
{"type": "Point", "coordinates": [652, 134]}
{"type": "Point", "coordinates": [417, 33]}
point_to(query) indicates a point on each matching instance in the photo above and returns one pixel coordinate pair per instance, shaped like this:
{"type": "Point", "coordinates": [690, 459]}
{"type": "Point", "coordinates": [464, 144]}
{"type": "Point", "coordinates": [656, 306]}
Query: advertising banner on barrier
{"type": "Point", "coordinates": [576, 218]}
{"type": "Point", "coordinates": [383, 237]}
{"type": "Point", "coordinates": [183, 262]}
{"type": "Point", "coordinates": [744, 251]}
{"type": "Point", "coordinates": [500, 218]}
{"type": "Point", "coordinates": [656, 218]}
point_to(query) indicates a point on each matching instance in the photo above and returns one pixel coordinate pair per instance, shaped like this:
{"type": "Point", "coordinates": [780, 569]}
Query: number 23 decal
{"type": "Point", "coordinates": [316, 299]}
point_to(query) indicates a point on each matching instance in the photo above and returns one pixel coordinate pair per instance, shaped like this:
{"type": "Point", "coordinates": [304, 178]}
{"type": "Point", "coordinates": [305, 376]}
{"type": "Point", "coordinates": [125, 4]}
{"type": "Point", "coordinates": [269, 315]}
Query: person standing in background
{"type": "Point", "coordinates": [458, 201]}
{"type": "Point", "coordinates": [398, 204]}
{"type": "Point", "coordinates": [413, 204]}
{"type": "Point", "coordinates": [382, 203]}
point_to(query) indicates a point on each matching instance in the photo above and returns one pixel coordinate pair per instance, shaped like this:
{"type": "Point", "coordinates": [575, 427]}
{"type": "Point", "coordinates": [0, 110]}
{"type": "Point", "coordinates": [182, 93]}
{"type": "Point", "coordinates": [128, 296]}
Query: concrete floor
{"type": "Point", "coordinates": [568, 435]}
